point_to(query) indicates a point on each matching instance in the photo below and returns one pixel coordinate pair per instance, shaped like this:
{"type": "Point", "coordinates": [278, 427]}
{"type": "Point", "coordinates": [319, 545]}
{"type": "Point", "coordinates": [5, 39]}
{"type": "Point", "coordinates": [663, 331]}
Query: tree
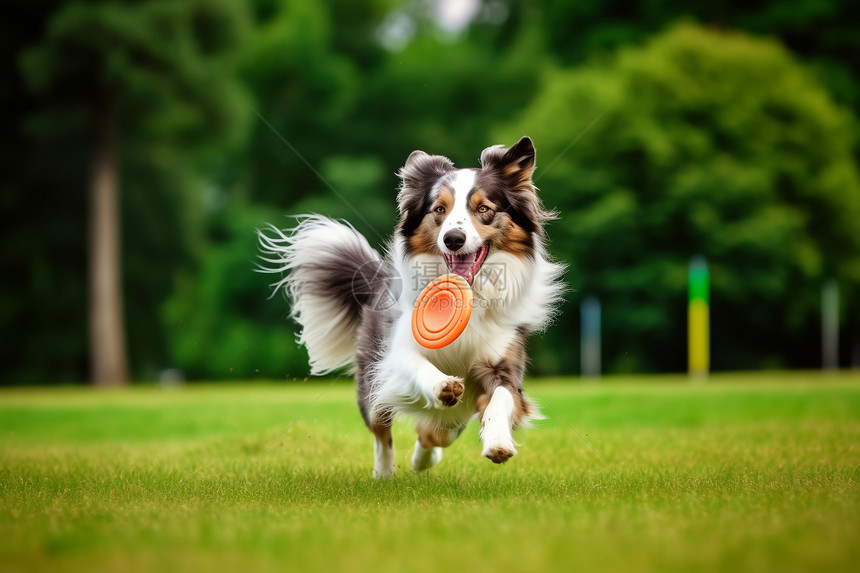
{"type": "Point", "coordinates": [821, 32]}
{"type": "Point", "coordinates": [709, 143]}
{"type": "Point", "coordinates": [154, 76]}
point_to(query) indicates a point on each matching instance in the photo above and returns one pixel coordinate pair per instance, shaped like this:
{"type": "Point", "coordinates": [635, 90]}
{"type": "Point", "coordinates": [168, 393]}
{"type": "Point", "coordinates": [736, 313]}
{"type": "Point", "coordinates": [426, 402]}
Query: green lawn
{"type": "Point", "coordinates": [745, 472]}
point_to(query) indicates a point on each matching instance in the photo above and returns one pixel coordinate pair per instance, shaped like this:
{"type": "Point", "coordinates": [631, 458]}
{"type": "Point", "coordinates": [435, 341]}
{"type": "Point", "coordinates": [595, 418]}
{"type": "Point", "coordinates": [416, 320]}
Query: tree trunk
{"type": "Point", "coordinates": [107, 326]}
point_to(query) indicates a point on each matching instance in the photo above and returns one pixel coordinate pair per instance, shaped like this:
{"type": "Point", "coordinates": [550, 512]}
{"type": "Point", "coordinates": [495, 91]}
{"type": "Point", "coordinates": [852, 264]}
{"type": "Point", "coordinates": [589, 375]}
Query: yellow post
{"type": "Point", "coordinates": [698, 319]}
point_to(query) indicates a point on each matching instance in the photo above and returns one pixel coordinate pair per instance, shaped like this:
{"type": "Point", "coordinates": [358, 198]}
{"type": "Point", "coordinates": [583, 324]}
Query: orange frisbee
{"type": "Point", "coordinates": [442, 311]}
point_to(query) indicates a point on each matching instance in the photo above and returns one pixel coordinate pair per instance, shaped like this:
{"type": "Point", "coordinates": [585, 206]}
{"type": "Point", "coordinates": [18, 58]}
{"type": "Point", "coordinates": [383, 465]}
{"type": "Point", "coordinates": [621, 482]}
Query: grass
{"type": "Point", "coordinates": [745, 472]}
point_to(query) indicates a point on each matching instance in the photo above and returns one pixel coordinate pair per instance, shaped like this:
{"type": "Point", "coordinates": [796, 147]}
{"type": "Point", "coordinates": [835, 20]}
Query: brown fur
{"type": "Point", "coordinates": [511, 169]}
{"type": "Point", "coordinates": [383, 433]}
{"type": "Point", "coordinates": [430, 437]}
{"type": "Point", "coordinates": [424, 238]}
{"type": "Point", "coordinates": [452, 391]}
{"type": "Point", "coordinates": [496, 227]}
{"type": "Point", "coordinates": [519, 242]}
{"type": "Point", "coordinates": [507, 372]}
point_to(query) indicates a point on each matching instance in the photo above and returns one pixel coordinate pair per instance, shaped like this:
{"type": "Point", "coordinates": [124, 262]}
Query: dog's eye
{"type": "Point", "coordinates": [483, 209]}
{"type": "Point", "coordinates": [439, 209]}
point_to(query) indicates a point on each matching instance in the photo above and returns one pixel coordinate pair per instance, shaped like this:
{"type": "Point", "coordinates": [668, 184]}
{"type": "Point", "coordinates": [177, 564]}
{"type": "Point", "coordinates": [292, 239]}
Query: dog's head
{"type": "Point", "coordinates": [465, 215]}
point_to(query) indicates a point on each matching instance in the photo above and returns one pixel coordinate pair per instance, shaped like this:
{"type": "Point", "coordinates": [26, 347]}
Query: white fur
{"type": "Point", "coordinates": [496, 425]}
{"type": "Point", "coordinates": [330, 343]}
{"type": "Point", "coordinates": [458, 216]}
{"type": "Point", "coordinates": [383, 458]}
{"type": "Point", "coordinates": [425, 458]}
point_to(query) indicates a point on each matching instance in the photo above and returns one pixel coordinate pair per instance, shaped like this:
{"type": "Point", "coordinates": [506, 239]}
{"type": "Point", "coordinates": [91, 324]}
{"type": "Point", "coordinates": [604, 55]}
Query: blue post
{"type": "Point", "coordinates": [830, 326]}
{"type": "Point", "coordinates": [590, 337]}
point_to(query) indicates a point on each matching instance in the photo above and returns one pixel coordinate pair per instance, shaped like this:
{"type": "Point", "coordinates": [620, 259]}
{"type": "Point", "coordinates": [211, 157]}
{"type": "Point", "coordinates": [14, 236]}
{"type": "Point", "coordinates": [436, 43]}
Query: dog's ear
{"type": "Point", "coordinates": [516, 165]}
{"type": "Point", "coordinates": [416, 156]}
{"type": "Point", "coordinates": [423, 170]}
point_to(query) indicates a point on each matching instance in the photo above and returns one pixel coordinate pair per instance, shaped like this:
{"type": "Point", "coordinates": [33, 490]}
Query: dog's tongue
{"type": "Point", "coordinates": [467, 265]}
{"type": "Point", "coordinates": [461, 264]}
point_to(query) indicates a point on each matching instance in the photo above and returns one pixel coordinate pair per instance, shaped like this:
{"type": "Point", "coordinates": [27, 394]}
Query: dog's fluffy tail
{"type": "Point", "coordinates": [333, 273]}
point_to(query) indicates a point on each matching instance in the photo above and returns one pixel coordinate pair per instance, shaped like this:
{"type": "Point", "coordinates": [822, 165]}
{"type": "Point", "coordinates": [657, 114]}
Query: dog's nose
{"type": "Point", "coordinates": [454, 240]}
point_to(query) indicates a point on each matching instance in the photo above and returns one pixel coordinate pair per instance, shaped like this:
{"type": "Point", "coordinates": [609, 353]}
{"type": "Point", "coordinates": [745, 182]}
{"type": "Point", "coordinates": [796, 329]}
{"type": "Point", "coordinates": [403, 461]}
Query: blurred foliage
{"type": "Point", "coordinates": [707, 143]}
{"type": "Point", "coordinates": [823, 31]}
{"type": "Point", "coordinates": [162, 71]}
{"type": "Point", "coordinates": [233, 114]}
{"type": "Point", "coordinates": [221, 323]}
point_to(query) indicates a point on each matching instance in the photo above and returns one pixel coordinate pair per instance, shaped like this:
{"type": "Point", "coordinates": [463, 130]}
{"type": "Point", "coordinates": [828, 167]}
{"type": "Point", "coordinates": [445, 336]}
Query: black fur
{"type": "Point", "coordinates": [418, 177]}
{"type": "Point", "coordinates": [380, 289]}
{"type": "Point", "coordinates": [514, 192]}
{"type": "Point", "coordinates": [347, 277]}
{"type": "Point", "coordinates": [375, 324]}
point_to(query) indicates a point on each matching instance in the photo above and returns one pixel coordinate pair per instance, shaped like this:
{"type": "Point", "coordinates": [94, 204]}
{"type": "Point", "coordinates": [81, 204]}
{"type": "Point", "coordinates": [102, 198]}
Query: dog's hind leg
{"type": "Point", "coordinates": [379, 423]}
{"type": "Point", "coordinates": [383, 451]}
{"type": "Point", "coordinates": [373, 327]}
{"type": "Point", "coordinates": [428, 446]}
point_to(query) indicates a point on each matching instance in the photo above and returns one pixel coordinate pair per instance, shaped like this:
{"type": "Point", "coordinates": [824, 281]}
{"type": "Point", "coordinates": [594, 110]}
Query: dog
{"type": "Point", "coordinates": [354, 306]}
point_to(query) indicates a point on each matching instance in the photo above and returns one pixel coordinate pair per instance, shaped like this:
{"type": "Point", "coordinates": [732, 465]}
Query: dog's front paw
{"type": "Point", "coordinates": [499, 453]}
{"type": "Point", "coordinates": [450, 391]}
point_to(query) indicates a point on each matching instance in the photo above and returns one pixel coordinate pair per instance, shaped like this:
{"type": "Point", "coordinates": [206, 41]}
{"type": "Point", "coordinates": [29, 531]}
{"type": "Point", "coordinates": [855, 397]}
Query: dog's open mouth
{"type": "Point", "coordinates": [467, 265]}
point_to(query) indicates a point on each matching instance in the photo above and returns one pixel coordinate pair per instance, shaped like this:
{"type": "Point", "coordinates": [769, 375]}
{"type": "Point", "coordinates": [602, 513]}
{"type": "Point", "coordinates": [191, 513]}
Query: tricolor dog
{"type": "Point", "coordinates": [354, 305]}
